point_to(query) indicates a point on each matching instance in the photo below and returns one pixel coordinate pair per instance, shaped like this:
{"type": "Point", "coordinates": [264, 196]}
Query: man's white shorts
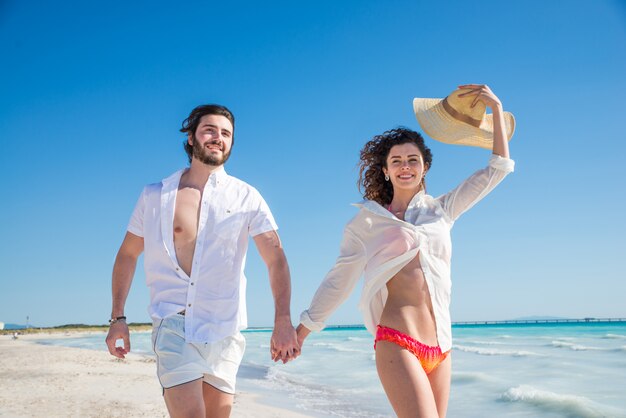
{"type": "Point", "coordinates": [181, 362]}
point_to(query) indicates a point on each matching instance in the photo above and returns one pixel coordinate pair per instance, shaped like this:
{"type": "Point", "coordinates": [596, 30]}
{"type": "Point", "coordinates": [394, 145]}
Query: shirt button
{"type": "Point", "coordinates": [192, 283]}
{"type": "Point", "coordinates": [177, 269]}
{"type": "Point", "coordinates": [189, 305]}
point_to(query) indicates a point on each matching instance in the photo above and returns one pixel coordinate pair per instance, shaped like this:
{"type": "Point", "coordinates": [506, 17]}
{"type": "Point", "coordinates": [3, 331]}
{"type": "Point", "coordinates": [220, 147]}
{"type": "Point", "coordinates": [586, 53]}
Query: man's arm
{"type": "Point", "coordinates": [284, 344]}
{"type": "Point", "coordinates": [123, 272]}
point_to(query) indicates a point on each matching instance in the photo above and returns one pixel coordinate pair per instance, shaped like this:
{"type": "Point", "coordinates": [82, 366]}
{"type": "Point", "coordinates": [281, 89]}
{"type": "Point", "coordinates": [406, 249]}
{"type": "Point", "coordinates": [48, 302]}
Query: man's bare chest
{"type": "Point", "coordinates": [186, 215]}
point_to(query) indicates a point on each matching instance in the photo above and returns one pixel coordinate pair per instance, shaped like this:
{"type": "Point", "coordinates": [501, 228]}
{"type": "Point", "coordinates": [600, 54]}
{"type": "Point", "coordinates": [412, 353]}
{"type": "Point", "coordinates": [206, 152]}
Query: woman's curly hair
{"type": "Point", "coordinates": [374, 157]}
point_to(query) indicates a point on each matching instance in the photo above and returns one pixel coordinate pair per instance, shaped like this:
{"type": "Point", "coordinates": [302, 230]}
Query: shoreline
{"type": "Point", "coordinates": [40, 380]}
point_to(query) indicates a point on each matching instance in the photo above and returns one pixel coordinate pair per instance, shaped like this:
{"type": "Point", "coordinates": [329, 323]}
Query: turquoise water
{"type": "Point", "coordinates": [548, 370]}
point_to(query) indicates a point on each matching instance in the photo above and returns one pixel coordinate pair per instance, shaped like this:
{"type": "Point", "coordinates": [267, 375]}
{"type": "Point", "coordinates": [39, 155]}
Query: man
{"type": "Point", "coordinates": [193, 228]}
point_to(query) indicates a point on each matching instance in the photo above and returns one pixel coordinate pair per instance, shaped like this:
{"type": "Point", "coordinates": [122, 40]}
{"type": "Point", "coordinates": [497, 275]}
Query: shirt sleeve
{"type": "Point", "coordinates": [262, 219]}
{"type": "Point", "coordinates": [338, 283]}
{"type": "Point", "coordinates": [135, 225]}
{"type": "Point", "coordinates": [477, 186]}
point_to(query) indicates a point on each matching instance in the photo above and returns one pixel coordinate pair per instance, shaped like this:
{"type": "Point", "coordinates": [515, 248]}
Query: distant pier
{"type": "Point", "coordinates": [542, 321]}
{"type": "Point", "coordinates": [537, 321]}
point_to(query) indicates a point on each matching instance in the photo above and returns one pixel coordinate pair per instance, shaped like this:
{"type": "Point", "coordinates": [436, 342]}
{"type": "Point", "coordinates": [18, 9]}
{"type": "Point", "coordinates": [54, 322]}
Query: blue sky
{"type": "Point", "coordinates": [93, 96]}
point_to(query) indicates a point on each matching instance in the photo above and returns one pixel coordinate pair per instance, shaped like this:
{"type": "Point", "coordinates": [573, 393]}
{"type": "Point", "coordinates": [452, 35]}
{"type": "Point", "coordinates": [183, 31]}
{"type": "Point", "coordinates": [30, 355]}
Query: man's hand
{"type": "Point", "coordinates": [123, 271]}
{"type": "Point", "coordinates": [117, 331]}
{"type": "Point", "coordinates": [284, 343]}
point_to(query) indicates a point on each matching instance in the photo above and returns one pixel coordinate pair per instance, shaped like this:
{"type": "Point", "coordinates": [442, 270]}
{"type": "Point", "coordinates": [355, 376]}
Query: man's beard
{"type": "Point", "coordinates": [203, 155]}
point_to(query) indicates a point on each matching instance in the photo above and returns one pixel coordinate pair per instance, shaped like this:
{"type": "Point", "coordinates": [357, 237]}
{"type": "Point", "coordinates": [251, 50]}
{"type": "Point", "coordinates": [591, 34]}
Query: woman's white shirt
{"type": "Point", "coordinates": [377, 245]}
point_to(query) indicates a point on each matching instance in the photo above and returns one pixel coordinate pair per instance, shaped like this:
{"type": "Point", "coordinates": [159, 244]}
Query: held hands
{"type": "Point", "coordinates": [284, 343]}
{"type": "Point", "coordinates": [482, 93]}
{"type": "Point", "coordinates": [301, 333]}
{"type": "Point", "coordinates": [117, 331]}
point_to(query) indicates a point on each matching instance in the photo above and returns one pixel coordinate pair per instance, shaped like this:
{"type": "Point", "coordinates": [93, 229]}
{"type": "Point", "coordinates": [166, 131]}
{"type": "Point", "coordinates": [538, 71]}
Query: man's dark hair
{"type": "Point", "coordinates": [191, 123]}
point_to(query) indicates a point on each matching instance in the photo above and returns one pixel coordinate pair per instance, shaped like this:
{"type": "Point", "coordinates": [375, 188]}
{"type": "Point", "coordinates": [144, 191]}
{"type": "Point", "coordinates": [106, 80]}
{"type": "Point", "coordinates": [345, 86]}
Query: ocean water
{"type": "Point", "coordinates": [543, 370]}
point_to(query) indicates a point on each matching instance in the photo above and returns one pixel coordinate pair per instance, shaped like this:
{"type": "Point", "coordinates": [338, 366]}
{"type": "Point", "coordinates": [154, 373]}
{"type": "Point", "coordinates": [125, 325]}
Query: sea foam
{"type": "Point", "coordinates": [340, 402]}
{"type": "Point", "coordinates": [614, 336]}
{"type": "Point", "coordinates": [570, 405]}
{"type": "Point", "coordinates": [494, 352]}
{"type": "Point", "coordinates": [339, 347]}
{"type": "Point", "coordinates": [470, 377]}
{"type": "Point", "coordinates": [572, 346]}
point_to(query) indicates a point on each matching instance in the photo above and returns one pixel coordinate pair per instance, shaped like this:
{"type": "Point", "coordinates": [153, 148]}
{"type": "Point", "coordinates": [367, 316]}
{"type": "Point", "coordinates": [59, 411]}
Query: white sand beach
{"type": "Point", "coordinates": [52, 381]}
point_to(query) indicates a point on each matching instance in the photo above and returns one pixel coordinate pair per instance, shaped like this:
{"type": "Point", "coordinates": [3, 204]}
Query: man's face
{"type": "Point", "coordinates": [212, 140]}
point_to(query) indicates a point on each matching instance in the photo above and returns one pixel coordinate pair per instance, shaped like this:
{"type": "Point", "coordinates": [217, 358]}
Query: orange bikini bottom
{"type": "Point", "coordinates": [429, 357]}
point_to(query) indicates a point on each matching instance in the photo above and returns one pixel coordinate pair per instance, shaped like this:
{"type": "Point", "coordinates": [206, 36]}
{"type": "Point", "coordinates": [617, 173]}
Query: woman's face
{"type": "Point", "coordinates": [405, 167]}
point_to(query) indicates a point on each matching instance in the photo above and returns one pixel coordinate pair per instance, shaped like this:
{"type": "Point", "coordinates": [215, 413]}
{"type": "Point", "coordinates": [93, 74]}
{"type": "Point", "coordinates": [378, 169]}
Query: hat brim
{"type": "Point", "coordinates": [440, 125]}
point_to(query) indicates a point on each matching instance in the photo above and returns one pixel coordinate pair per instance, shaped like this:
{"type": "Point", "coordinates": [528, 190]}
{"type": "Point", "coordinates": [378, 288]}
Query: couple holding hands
{"type": "Point", "coordinates": [193, 229]}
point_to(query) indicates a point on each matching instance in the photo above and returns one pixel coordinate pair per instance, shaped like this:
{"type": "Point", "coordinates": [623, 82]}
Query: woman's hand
{"type": "Point", "coordinates": [302, 333]}
{"type": "Point", "coordinates": [484, 94]}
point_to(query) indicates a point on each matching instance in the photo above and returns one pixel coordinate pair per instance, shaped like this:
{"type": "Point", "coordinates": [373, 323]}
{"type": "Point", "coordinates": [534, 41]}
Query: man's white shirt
{"type": "Point", "coordinates": [213, 296]}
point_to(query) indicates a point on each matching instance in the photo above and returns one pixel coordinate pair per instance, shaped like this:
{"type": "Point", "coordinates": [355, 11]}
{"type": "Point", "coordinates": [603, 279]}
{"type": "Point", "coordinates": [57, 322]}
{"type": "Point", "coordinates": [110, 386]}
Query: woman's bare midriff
{"type": "Point", "coordinates": [408, 308]}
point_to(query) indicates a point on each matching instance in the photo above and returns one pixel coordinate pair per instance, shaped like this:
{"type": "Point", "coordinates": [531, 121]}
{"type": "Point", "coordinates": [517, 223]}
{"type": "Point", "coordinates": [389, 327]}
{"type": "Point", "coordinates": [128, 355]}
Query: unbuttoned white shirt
{"type": "Point", "coordinates": [213, 295]}
{"type": "Point", "coordinates": [378, 245]}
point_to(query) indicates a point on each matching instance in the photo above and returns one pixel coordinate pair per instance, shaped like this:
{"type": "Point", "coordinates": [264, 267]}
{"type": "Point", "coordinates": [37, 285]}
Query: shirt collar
{"type": "Point", "coordinates": [378, 209]}
{"type": "Point", "coordinates": [216, 177]}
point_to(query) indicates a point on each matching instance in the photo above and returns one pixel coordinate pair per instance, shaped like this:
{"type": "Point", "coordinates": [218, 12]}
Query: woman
{"type": "Point", "coordinates": [400, 242]}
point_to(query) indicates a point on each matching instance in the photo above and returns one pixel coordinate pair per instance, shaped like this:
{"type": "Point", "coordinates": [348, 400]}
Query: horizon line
{"type": "Point", "coordinates": [462, 323]}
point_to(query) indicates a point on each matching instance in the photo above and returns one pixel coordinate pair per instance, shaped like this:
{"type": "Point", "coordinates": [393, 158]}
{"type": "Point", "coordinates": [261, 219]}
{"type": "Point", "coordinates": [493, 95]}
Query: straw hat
{"type": "Point", "coordinates": [453, 121]}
